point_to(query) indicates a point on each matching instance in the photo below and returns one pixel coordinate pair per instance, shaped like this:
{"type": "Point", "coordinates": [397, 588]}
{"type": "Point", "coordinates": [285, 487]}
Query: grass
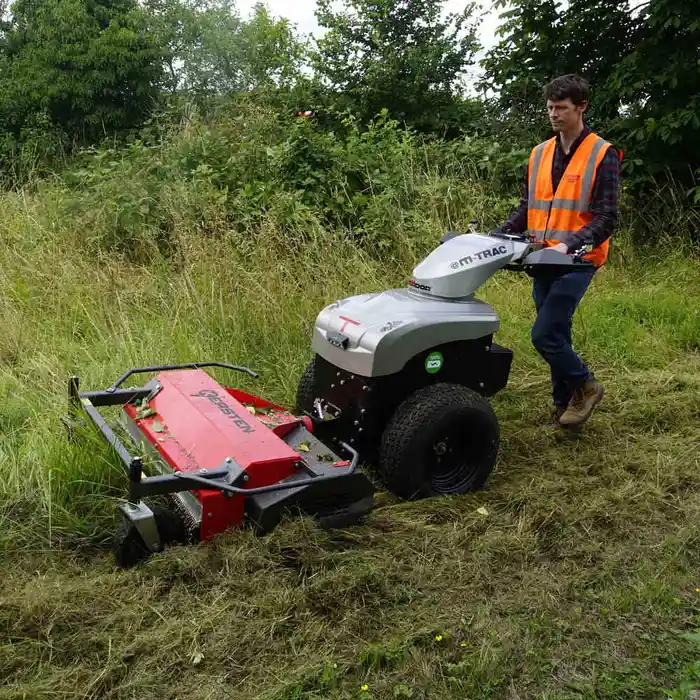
{"type": "Point", "coordinates": [580, 581]}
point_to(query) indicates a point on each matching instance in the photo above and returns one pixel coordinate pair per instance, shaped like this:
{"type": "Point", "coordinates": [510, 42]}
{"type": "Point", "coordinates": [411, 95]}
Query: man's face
{"type": "Point", "coordinates": [564, 115]}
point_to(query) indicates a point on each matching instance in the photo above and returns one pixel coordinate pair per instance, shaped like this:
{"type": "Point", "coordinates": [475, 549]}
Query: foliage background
{"type": "Point", "coordinates": [85, 74]}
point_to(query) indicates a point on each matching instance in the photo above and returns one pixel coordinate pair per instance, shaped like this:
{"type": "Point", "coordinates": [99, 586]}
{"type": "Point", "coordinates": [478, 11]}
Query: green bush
{"type": "Point", "coordinates": [250, 165]}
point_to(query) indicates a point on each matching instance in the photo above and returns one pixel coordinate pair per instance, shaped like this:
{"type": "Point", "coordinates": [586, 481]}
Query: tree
{"type": "Point", "coordinates": [87, 68]}
{"type": "Point", "coordinates": [540, 41]}
{"type": "Point", "coordinates": [210, 50]}
{"type": "Point", "coordinates": [395, 54]}
{"type": "Point", "coordinates": [271, 53]}
{"type": "Point", "coordinates": [658, 81]}
{"type": "Point", "coordinates": [642, 62]}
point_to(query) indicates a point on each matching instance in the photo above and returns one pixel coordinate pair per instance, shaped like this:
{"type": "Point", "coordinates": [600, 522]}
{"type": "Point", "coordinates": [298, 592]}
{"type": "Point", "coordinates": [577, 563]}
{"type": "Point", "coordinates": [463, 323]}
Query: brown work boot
{"type": "Point", "coordinates": [582, 404]}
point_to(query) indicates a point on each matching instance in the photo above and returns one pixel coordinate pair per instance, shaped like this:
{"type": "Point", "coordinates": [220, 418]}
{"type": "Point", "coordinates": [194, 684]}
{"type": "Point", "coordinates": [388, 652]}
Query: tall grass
{"type": "Point", "coordinates": [579, 581]}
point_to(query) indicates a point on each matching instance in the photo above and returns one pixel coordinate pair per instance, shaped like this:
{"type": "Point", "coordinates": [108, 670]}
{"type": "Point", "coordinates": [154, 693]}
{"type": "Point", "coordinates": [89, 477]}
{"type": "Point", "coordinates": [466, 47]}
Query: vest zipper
{"type": "Point", "coordinates": [546, 226]}
{"type": "Point", "coordinates": [554, 195]}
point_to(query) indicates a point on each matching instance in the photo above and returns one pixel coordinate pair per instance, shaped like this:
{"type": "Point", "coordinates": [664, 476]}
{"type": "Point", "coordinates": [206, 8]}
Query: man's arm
{"type": "Point", "coordinates": [603, 205]}
{"type": "Point", "coordinates": [517, 221]}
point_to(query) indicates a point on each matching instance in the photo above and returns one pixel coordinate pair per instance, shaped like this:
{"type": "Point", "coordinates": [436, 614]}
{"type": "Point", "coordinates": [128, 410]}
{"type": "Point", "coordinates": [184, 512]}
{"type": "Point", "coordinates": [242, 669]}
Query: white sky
{"type": "Point", "coordinates": [301, 13]}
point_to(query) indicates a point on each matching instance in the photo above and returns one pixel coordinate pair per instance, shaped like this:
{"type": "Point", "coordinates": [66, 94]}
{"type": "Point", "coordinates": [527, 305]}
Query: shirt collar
{"type": "Point", "coordinates": [576, 143]}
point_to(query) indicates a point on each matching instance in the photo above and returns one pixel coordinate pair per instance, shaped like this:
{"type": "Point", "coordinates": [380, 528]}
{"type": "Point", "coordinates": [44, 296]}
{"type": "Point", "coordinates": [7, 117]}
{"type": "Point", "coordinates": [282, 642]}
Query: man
{"type": "Point", "coordinates": [569, 203]}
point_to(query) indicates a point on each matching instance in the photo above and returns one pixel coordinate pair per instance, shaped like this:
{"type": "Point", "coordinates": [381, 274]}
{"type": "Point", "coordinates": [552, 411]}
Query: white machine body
{"type": "Point", "coordinates": [374, 335]}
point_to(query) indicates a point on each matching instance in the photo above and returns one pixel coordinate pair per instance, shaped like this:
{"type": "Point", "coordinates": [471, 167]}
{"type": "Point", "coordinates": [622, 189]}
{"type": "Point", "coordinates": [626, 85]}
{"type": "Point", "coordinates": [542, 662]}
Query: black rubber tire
{"type": "Point", "coordinates": [429, 421]}
{"type": "Point", "coordinates": [129, 547]}
{"type": "Point", "coordinates": [305, 389]}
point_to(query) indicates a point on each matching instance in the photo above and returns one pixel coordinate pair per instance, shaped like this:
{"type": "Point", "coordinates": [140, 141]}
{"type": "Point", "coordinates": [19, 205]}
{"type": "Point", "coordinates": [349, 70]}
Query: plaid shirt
{"type": "Point", "coordinates": [603, 198]}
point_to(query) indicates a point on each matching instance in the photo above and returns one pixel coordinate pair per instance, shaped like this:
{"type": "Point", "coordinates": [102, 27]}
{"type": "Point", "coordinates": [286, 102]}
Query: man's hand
{"type": "Point", "coordinates": [561, 248]}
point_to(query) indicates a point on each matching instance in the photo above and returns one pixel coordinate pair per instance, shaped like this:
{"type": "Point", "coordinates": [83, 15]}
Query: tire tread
{"type": "Point", "coordinates": [402, 438]}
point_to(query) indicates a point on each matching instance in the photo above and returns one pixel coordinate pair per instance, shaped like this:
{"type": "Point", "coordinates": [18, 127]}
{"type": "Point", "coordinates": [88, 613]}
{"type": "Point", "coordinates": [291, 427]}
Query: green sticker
{"type": "Point", "coordinates": [433, 363]}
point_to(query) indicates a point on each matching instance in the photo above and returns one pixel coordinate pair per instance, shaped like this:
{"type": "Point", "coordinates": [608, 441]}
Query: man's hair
{"type": "Point", "coordinates": [571, 86]}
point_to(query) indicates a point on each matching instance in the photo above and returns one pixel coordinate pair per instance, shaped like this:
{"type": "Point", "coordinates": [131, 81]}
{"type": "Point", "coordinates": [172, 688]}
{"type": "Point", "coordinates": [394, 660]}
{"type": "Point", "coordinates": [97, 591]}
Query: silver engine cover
{"type": "Point", "coordinates": [376, 334]}
{"type": "Point", "coordinates": [464, 263]}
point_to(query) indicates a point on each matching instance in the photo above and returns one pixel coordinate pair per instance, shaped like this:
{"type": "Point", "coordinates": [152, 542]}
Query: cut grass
{"type": "Point", "coordinates": [579, 582]}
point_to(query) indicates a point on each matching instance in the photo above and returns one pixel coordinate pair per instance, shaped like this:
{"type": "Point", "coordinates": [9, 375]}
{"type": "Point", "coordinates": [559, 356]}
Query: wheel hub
{"type": "Point", "coordinates": [455, 455]}
{"type": "Point", "coordinates": [441, 448]}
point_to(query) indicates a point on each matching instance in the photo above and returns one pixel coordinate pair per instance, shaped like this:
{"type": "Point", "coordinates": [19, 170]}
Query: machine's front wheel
{"type": "Point", "coordinates": [129, 547]}
{"type": "Point", "coordinates": [443, 439]}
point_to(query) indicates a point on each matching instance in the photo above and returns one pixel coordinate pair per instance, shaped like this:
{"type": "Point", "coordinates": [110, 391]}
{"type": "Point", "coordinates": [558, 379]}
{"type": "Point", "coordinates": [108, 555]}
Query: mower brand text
{"type": "Point", "coordinates": [415, 284]}
{"type": "Point", "coordinates": [482, 255]}
{"type": "Point", "coordinates": [221, 404]}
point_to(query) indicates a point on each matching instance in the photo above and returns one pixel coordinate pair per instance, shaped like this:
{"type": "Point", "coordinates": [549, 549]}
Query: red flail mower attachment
{"type": "Point", "coordinates": [223, 457]}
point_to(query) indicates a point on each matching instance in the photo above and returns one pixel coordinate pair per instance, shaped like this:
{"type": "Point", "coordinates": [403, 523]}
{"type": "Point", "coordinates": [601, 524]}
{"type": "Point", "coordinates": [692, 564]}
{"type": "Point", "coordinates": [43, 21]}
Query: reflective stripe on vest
{"type": "Point", "coordinates": [553, 215]}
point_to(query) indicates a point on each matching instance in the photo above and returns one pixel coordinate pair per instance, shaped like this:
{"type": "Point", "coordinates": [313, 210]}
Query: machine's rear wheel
{"type": "Point", "coordinates": [443, 439]}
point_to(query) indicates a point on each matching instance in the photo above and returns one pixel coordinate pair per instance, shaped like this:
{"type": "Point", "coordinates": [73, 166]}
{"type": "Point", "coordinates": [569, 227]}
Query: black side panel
{"type": "Point", "coordinates": [477, 364]}
{"type": "Point", "coordinates": [335, 503]}
{"type": "Point", "coordinates": [340, 500]}
{"type": "Point", "coordinates": [357, 402]}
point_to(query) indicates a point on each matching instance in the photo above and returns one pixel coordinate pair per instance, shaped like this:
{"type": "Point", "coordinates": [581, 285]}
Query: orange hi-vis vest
{"type": "Point", "coordinates": [552, 214]}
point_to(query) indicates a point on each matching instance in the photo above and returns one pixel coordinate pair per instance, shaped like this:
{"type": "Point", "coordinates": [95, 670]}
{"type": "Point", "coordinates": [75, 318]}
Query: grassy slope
{"type": "Point", "coordinates": [578, 583]}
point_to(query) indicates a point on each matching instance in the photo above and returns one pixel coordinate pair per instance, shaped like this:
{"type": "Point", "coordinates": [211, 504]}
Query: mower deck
{"type": "Point", "coordinates": [225, 457]}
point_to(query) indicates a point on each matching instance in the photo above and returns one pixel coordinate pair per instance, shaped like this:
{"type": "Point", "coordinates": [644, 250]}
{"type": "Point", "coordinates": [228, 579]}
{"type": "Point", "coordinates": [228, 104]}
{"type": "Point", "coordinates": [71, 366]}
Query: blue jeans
{"type": "Point", "coordinates": [556, 300]}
